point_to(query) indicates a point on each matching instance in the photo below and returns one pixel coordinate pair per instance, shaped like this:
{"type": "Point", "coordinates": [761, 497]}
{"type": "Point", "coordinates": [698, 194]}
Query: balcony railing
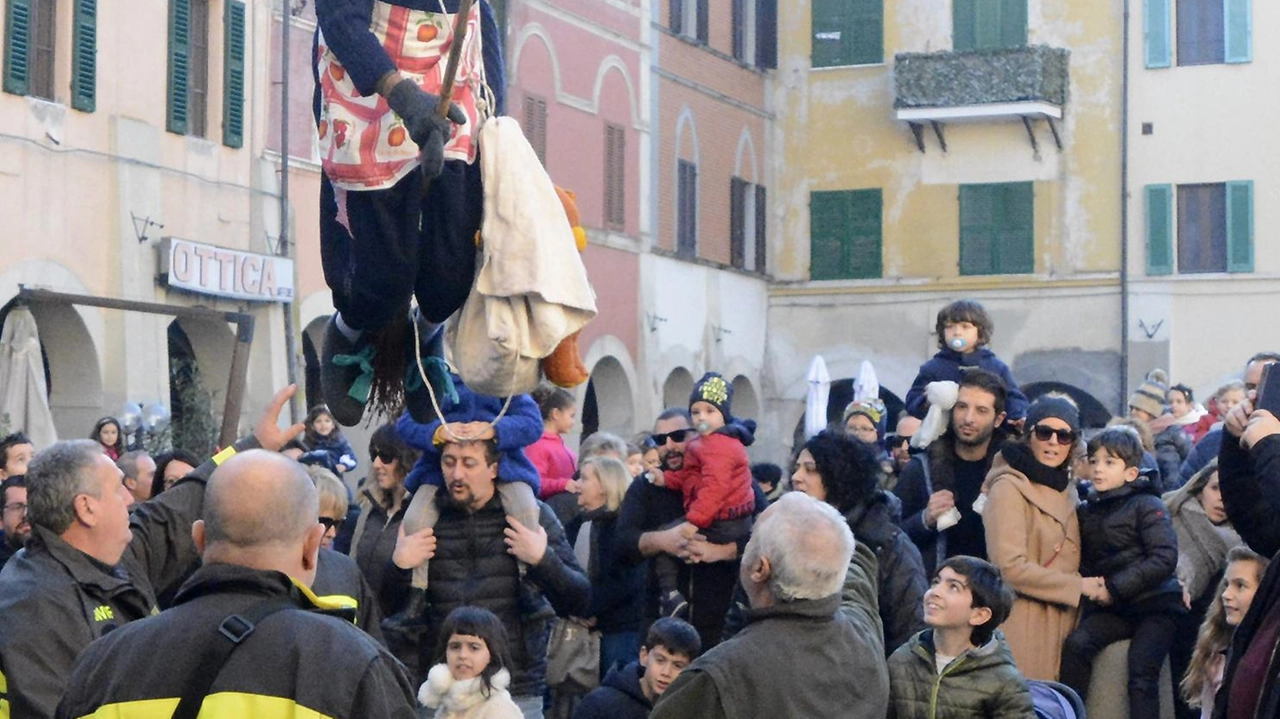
{"type": "Point", "coordinates": [937, 86]}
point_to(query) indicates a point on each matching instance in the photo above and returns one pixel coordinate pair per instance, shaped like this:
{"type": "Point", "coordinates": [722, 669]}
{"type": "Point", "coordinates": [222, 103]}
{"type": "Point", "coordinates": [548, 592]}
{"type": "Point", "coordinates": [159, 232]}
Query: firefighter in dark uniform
{"type": "Point", "coordinates": [260, 540]}
{"type": "Point", "coordinates": [89, 568]}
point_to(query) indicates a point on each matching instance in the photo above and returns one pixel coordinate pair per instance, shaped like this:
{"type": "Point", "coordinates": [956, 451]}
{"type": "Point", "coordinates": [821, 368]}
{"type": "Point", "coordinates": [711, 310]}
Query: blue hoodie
{"type": "Point", "coordinates": [949, 365]}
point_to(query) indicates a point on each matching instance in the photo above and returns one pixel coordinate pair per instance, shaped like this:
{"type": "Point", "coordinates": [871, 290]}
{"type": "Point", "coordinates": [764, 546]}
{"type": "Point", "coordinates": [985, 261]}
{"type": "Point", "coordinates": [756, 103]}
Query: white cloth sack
{"type": "Point", "coordinates": [531, 289]}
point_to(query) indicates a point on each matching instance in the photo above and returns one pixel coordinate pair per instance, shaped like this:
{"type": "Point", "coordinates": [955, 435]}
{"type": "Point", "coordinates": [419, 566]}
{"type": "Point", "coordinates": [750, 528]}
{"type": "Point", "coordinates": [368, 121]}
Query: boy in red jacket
{"type": "Point", "coordinates": [715, 480]}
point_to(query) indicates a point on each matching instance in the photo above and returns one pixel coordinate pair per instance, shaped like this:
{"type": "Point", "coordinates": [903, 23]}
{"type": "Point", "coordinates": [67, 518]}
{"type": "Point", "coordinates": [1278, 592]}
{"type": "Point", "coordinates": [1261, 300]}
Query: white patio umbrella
{"type": "Point", "coordinates": [815, 406]}
{"type": "Point", "coordinates": [867, 385]}
{"type": "Point", "coordinates": [24, 396]}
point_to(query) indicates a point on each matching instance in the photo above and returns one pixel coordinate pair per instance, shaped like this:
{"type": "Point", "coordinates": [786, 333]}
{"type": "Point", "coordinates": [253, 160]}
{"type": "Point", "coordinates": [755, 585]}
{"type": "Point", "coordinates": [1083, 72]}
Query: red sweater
{"type": "Point", "coordinates": [715, 480]}
{"type": "Point", "coordinates": [554, 461]}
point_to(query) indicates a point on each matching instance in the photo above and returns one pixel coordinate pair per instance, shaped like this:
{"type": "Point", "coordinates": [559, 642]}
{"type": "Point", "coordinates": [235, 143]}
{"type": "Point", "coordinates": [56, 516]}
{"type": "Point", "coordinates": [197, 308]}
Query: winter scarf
{"type": "Point", "coordinates": [1021, 458]}
{"type": "Point", "coordinates": [1202, 545]}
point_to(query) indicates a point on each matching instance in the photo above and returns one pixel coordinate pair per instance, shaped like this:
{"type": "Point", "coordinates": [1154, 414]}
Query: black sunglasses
{"type": "Point", "coordinates": [1043, 433]}
{"type": "Point", "coordinates": [897, 440]}
{"type": "Point", "coordinates": [331, 523]}
{"type": "Point", "coordinates": [386, 455]}
{"type": "Point", "coordinates": [676, 436]}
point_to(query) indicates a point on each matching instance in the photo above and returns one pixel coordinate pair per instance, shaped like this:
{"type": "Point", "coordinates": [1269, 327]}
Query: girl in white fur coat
{"type": "Point", "coordinates": [471, 679]}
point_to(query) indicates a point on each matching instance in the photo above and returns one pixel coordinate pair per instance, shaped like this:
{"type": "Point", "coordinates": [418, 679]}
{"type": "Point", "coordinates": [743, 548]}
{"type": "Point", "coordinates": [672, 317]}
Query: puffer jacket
{"type": "Point", "coordinates": [716, 477]}
{"type": "Point", "coordinates": [619, 696]}
{"type": "Point", "coordinates": [1128, 539]}
{"type": "Point", "coordinates": [472, 567]}
{"type": "Point", "coordinates": [1173, 446]}
{"type": "Point", "coordinates": [372, 546]}
{"type": "Point", "coordinates": [982, 683]}
{"type": "Point", "coordinates": [900, 579]}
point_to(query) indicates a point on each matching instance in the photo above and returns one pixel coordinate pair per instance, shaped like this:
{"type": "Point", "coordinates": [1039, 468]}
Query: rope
{"type": "Point", "coordinates": [435, 403]}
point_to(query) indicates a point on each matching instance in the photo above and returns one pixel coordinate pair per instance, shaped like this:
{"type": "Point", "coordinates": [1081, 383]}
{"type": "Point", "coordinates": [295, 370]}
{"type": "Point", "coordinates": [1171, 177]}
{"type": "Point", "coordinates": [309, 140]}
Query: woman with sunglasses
{"type": "Point", "coordinates": [383, 501]}
{"type": "Point", "coordinates": [1033, 535]}
{"type": "Point", "coordinates": [338, 577]}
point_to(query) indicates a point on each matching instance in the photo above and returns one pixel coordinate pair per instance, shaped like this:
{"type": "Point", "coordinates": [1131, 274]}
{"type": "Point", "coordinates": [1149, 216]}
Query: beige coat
{"type": "Point", "coordinates": [1033, 536]}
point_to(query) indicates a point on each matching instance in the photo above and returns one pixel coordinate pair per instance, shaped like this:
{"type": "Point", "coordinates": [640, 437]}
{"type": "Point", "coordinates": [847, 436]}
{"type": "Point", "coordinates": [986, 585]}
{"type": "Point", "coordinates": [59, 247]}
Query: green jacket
{"type": "Point", "coordinates": [982, 682]}
{"type": "Point", "coordinates": [825, 661]}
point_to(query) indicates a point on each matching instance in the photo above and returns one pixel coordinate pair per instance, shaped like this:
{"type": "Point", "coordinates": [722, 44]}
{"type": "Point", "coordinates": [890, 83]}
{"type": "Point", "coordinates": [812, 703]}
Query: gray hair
{"type": "Point", "coordinates": [603, 443]}
{"type": "Point", "coordinates": [57, 475]}
{"type": "Point", "coordinates": [808, 544]}
{"type": "Point", "coordinates": [128, 462]}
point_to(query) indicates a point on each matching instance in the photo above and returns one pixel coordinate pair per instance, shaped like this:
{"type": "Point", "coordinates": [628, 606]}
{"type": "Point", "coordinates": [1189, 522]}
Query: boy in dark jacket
{"type": "Point", "coordinates": [1129, 554]}
{"type": "Point", "coordinates": [628, 692]}
{"type": "Point", "coordinates": [959, 667]}
{"type": "Point", "coordinates": [964, 329]}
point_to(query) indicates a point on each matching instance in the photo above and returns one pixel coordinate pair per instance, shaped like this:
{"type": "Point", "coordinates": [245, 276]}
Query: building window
{"type": "Point", "coordinates": [1208, 32]}
{"type": "Point", "coordinates": [747, 219]}
{"type": "Point", "coordinates": [744, 31]}
{"type": "Point", "coordinates": [845, 235]}
{"type": "Point", "coordinates": [1214, 228]}
{"type": "Point", "coordinates": [848, 32]}
{"type": "Point", "coordinates": [691, 19]}
{"type": "Point", "coordinates": [535, 125]}
{"type": "Point", "coordinates": [30, 38]}
{"type": "Point", "coordinates": [687, 209]}
{"type": "Point", "coordinates": [997, 229]}
{"type": "Point", "coordinates": [615, 177]}
{"type": "Point", "coordinates": [988, 24]}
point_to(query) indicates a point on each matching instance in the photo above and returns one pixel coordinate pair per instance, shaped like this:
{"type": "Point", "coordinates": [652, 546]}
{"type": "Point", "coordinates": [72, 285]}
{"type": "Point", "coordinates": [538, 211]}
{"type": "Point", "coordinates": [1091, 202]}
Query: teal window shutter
{"type": "Point", "coordinates": [964, 24]}
{"type": "Point", "coordinates": [865, 235]}
{"type": "Point", "coordinates": [1156, 24]}
{"type": "Point", "coordinates": [865, 32]}
{"type": "Point", "coordinates": [845, 235]}
{"type": "Point", "coordinates": [1013, 23]}
{"type": "Point", "coordinates": [84, 56]}
{"type": "Point", "coordinates": [17, 47]}
{"type": "Point", "coordinates": [233, 75]}
{"type": "Point", "coordinates": [179, 66]}
{"type": "Point", "coordinates": [1238, 24]}
{"type": "Point", "coordinates": [988, 24]}
{"type": "Point", "coordinates": [997, 229]}
{"type": "Point", "coordinates": [1159, 211]}
{"type": "Point", "coordinates": [1240, 226]}
{"type": "Point", "coordinates": [830, 23]}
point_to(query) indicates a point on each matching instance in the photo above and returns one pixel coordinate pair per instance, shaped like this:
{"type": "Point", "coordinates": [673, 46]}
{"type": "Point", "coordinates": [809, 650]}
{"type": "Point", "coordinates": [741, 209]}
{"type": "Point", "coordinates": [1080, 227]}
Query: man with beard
{"type": "Point", "coordinates": [13, 493]}
{"type": "Point", "coordinates": [647, 508]}
{"type": "Point", "coordinates": [938, 489]}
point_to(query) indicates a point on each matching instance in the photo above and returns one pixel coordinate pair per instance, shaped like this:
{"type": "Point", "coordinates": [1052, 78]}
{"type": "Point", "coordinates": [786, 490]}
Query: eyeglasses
{"type": "Point", "coordinates": [1043, 433]}
{"type": "Point", "coordinates": [897, 440]}
{"type": "Point", "coordinates": [676, 436]}
{"type": "Point", "coordinates": [16, 507]}
{"type": "Point", "coordinates": [331, 523]}
{"type": "Point", "coordinates": [387, 456]}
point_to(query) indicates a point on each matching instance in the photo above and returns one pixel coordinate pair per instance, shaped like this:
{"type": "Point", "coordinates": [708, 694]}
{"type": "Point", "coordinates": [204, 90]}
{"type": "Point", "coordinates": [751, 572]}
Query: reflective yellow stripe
{"type": "Point", "coordinates": [4, 696]}
{"type": "Point", "coordinates": [329, 601]}
{"type": "Point", "coordinates": [224, 455]}
{"type": "Point", "coordinates": [222, 704]}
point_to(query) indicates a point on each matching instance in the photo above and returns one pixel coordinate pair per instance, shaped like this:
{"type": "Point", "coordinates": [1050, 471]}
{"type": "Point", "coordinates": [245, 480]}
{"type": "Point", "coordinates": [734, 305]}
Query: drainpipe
{"type": "Point", "coordinates": [290, 348]}
{"type": "Point", "coordinates": [1124, 209]}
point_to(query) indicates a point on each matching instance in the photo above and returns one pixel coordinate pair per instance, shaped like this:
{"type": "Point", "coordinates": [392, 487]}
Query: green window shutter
{"type": "Point", "coordinates": [233, 75]}
{"type": "Point", "coordinates": [863, 33]}
{"type": "Point", "coordinates": [964, 30]}
{"type": "Point", "coordinates": [1240, 226]}
{"type": "Point", "coordinates": [1159, 211]}
{"type": "Point", "coordinates": [830, 22]}
{"type": "Point", "coordinates": [997, 229]}
{"type": "Point", "coordinates": [1156, 24]}
{"type": "Point", "coordinates": [179, 66]}
{"type": "Point", "coordinates": [828, 225]}
{"type": "Point", "coordinates": [1238, 22]}
{"type": "Point", "coordinates": [1013, 23]}
{"type": "Point", "coordinates": [84, 56]}
{"type": "Point", "coordinates": [865, 232]}
{"type": "Point", "coordinates": [17, 46]}
{"type": "Point", "coordinates": [1015, 235]}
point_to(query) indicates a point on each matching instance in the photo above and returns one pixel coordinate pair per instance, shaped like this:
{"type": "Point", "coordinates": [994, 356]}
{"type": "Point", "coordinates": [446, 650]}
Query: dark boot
{"type": "Point", "coordinates": [410, 620]}
{"type": "Point", "coordinates": [417, 399]}
{"type": "Point", "coordinates": [346, 374]}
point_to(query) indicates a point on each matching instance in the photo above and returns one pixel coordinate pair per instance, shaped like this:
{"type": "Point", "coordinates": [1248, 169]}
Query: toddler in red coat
{"type": "Point", "coordinates": [715, 481]}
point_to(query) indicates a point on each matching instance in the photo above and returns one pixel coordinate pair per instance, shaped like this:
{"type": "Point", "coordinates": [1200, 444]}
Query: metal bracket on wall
{"type": "Point", "coordinates": [1031, 134]}
{"type": "Point", "coordinates": [1057, 139]}
{"type": "Point", "coordinates": [937, 130]}
{"type": "Point", "coordinates": [917, 131]}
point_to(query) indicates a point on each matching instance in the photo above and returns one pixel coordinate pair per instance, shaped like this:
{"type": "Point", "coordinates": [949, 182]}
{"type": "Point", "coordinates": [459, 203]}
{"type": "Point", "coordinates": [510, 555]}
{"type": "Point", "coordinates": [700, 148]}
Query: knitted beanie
{"type": "Point", "coordinates": [872, 409]}
{"type": "Point", "coordinates": [713, 390]}
{"type": "Point", "coordinates": [1059, 407]}
{"type": "Point", "coordinates": [1150, 395]}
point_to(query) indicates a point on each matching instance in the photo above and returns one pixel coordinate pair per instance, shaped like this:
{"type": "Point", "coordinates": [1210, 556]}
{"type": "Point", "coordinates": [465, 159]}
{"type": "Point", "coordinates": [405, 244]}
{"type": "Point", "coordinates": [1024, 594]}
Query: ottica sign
{"type": "Point", "coordinates": [218, 271]}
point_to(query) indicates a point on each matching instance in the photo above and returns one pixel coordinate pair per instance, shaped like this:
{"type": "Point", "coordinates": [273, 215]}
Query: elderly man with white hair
{"type": "Point", "coordinates": [808, 649]}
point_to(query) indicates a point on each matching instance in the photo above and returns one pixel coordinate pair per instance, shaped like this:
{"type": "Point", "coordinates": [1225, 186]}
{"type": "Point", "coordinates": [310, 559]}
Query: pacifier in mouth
{"type": "Point", "coordinates": [704, 427]}
{"type": "Point", "coordinates": [957, 343]}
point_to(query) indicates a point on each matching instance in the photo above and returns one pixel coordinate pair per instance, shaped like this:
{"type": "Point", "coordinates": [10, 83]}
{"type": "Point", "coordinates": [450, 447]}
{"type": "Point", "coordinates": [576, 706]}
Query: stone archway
{"type": "Point", "coordinates": [73, 373]}
{"type": "Point", "coordinates": [745, 402]}
{"type": "Point", "coordinates": [609, 402]}
{"type": "Point", "coordinates": [677, 388]}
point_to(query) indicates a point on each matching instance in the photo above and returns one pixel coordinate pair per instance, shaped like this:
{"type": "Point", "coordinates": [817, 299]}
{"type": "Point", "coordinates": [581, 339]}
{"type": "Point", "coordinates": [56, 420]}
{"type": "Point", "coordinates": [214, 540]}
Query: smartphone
{"type": "Point", "coordinates": [1268, 396]}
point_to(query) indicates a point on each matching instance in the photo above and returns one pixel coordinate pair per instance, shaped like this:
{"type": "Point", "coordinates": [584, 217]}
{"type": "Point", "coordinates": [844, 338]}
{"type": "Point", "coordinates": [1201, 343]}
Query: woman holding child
{"type": "Point", "coordinates": [1033, 535]}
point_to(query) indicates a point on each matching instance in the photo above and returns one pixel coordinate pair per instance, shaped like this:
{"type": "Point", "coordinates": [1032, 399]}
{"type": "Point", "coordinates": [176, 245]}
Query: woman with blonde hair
{"type": "Point", "coordinates": [617, 587]}
{"type": "Point", "coordinates": [1235, 594]}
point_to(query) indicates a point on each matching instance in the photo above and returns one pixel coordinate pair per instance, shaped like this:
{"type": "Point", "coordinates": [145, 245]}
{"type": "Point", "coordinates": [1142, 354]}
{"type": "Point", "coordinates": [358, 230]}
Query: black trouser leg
{"type": "Point", "coordinates": [1096, 632]}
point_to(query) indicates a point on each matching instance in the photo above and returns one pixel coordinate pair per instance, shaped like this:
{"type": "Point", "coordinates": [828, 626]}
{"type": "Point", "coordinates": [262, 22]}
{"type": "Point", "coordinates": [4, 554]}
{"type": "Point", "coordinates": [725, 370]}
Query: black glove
{"type": "Point", "coordinates": [417, 108]}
